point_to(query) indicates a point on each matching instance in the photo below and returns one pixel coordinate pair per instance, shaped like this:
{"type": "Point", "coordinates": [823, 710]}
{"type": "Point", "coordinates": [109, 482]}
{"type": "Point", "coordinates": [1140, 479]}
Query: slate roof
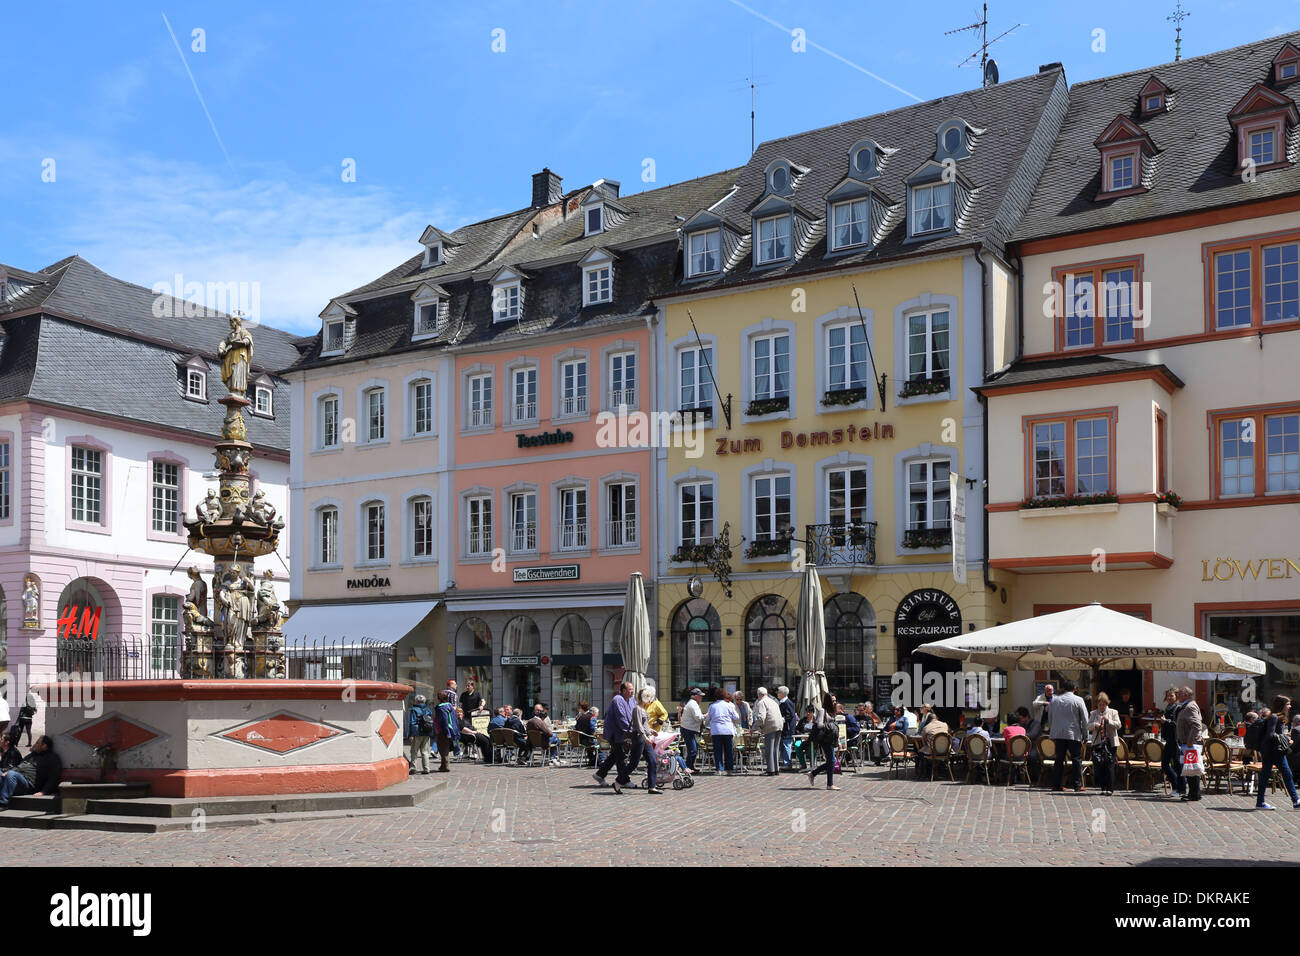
{"type": "Point", "coordinates": [1067, 369]}
{"type": "Point", "coordinates": [94, 343]}
{"type": "Point", "coordinates": [1197, 145]}
{"type": "Point", "coordinates": [1019, 120]}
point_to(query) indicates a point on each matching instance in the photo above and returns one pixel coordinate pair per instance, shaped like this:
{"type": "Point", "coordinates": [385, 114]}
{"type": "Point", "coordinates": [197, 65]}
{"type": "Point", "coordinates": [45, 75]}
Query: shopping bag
{"type": "Point", "coordinates": [1192, 766]}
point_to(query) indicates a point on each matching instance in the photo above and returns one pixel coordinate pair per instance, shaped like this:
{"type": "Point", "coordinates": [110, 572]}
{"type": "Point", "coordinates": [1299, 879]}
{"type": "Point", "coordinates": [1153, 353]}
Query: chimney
{"type": "Point", "coordinates": [1048, 67]}
{"type": "Point", "coordinates": [546, 188]}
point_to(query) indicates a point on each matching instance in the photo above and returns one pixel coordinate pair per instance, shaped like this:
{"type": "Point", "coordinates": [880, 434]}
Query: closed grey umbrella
{"type": "Point", "coordinates": [634, 639]}
{"type": "Point", "coordinates": [810, 640]}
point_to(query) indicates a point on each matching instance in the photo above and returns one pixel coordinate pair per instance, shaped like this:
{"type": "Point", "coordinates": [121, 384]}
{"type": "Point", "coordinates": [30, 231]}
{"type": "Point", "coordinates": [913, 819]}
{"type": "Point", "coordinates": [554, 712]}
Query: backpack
{"type": "Point", "coordinates": [424, 723]}
{"type": "Point", "coordinates": [1255, 735]}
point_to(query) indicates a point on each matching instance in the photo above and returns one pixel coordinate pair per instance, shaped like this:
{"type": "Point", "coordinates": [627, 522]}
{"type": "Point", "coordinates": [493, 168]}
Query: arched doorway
{"type": "Point", "coordinates": [474, 657]}
{"type": "Point", "coordinates": [521, 658]}
{"type": "Point", "coordinates": [850, 647]}
{"type": "Point", "coordinates": [696, 647]}
{"type": "Point", "coordinates": [769, 644]}
{"type": "Point", "coordinates": [612, 670]}
{"type": "Point", "coordinates": [88, 607]}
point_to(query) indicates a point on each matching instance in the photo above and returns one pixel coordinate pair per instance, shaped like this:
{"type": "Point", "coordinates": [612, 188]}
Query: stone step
{"type": "Point", "coordinates": [121, 823]}
{"type": "Point", "coordinates": [15, 818]}
{"type": "Point", "coordinates": [408, 793]}
{"type": "Point", "coordinates": [35, 801]}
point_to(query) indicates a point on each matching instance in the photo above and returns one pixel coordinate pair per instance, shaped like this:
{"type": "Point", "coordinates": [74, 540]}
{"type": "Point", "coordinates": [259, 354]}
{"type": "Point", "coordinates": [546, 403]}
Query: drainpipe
{"type": "Point", "coordinates": [985, 309]}
{"type": "Point", "coordinates": [653, 317]}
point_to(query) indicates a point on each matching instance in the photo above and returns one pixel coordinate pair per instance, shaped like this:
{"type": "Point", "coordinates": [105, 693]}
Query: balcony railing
{"type": "Point", "coordinates": [480, 542]}
{"type": "Point", "coordinates": [524, 537]}
{"type": "Point", "coordinates": [573, 405]}
{"type": "Point", "coordinates": [480, 417]}
{"type": "Point", "coordinates": [622, 396]}
{"type": "Point", "coordinates": [525, 411]}
{"type": "Point", "coordinates": [620, 533]}
{"type": "Point", "coordinates": [573, 536]}
{"type": "Point", "coordinates": [842, 543]}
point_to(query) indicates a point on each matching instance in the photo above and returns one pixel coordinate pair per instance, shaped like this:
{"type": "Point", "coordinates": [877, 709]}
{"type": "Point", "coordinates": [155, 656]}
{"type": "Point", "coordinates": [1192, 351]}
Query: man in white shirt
{"type": "Point", "coordinates": [692, 722]}
{"type": "Point", "coordinates": [4, 714]}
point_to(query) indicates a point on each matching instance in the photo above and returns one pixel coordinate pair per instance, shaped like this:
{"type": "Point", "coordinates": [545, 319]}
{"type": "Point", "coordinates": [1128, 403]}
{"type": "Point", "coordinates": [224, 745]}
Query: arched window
{"type": "Point", "coordinates": [770, 657]}
{"type": "Point", "coordinates": [850, 646]}
{"type": "Point", "coordinates": [474, 657]}
{"type": "Point", "coordinates": [473, 638]}
{"type": "Point", "coordinates": [571, 671]}
{"type": "Point", "coordinates": [572, 635]}
{"type": "Point", "coordinates": [521, 636]}
{"type": "Point", "coordinates": [696, 647]}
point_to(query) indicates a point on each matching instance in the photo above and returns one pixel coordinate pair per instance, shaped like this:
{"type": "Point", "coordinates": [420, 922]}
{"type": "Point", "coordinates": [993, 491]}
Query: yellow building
{"type": "Point", "coordinates": [861, 255]}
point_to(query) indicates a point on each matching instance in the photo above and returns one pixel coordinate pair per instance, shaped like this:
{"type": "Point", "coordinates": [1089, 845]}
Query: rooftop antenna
{"type": "Point", "coordinates": [989, 74]}
{"type": "Point", "coordinates": [1177, 18]}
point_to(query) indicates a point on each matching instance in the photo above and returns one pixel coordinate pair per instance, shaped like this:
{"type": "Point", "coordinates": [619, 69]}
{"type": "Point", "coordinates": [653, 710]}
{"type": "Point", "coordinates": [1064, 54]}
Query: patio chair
{"type": "Point", "coordinates": [977, 757]}
{"type": "Point", "coordinates": [1127, 762]}
{"type": "Point", "coordinates": [1253, 766]}
{"type": "Point", "coordinates": [582, 746]}
{"type": "Point", "coordinates": [1153, 753]}
{"type": "Point", "coordinates": [504, 748]}
{"type": "Point", "coordinates": [1016, 761]}
{"type": "Point", "coordinates": [940, 753]}
{"type": "Point", "coordinates": [899, 755]}
{"type": "Point", "coordinates": [1218, 764]}
{"type": "Point", "coordinates": [539, 741]}
{"type": "Point", "coordinates": [1046, 761]}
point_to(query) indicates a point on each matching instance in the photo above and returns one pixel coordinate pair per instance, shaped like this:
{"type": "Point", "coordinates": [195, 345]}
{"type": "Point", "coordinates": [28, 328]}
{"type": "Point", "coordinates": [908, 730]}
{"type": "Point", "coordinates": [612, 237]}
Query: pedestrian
{"type": "Point", "coordinates": [419, 731]}
{"type": "Point", "coordinates": [28, 711]}
{"type": "Point", "coordinates": [769, 722]}
{"type": "Point", "coordinates": [1103, 724]}
{"type": "Point", "coordinates": [1189, 728]}
{"type": "Point", "coordinates": [4, 714]}
{"type": "Point", "coordinates": [724, 724]}
{"type": "Point", "coordinates": [1275, 744]}
{"type": "Point", "coordinates": [1170, 764]}
{"type": "Point", "coordinates": [9, 755]}
{"type": "Point", "coordinates": [471, 738]}
{"type": "Point", "coordinates": [619, 730]}
{"type": "Point", "coordinates": [471, 699]}
{"type": "Point", "coordinates": [692, 721]}
{"type": "Point", "coordinates": [791, 717]}
{"type": "Point", "coordinates": [743, 709]}
{"type": "Point", "coordinates": [823, 732]}
{"type": "Point", "coordinates": [38, 773]}
{"type": "Point", "coordinates": [643, 737]}
{"type": "Point", "coordinates": [447, 726]}
{"type": "Point", "coordinates": [656, 712]}
{"type": "Point", "coordinates": [1042, 717]}
{"type": "Point", "coordinates": [1067, 717]}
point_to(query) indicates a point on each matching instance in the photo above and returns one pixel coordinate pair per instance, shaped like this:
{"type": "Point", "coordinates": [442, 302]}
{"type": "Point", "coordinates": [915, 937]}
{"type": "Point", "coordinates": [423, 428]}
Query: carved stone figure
{"type": "Point", "coordinates": [269, 609]}
{"type": "Point", "coordinates": [198, 593]}
{"type": "Point", "coordinates": [195, 620]}
{"type": "Point", "coordinates": [31, 604]}
{"type": "Point", "coordinates": [236, 352]}
{"type": "Point", "coordinates": [236, 600]}
{"type": "Point", "coordinates": [263, 511]}
{"type": "Point", "coordinates": [209, 509]}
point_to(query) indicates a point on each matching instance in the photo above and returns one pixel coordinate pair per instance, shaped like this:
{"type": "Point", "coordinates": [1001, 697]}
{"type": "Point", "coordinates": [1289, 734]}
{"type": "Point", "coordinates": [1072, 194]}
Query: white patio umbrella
{"type": "Point", "coordinates": [1094, 638]}
{"type": "Point", "coordinates": [634, 638]}
{"type": "Point", "coordinates": [810, 640]}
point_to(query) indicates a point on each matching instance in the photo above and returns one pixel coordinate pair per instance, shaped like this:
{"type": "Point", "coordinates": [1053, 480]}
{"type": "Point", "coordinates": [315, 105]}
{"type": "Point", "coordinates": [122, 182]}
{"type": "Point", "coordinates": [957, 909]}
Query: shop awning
{"type": "Point", "coordinates": [385, 621]}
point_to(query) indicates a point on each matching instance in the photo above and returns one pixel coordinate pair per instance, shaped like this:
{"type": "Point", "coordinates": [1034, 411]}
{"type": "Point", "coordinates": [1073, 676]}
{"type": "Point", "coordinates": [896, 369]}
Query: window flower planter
{"type": "Point", "coordinates": [693, 554]}
{"type": "Point", "coordinates": [778, 547]}
{"type": "Point", "coordinates": [924, 386]}
{"type": "Point", "coordinates": [768, 406]}
{"type": "Point", "coordinates": [927, 538]}
{"type": "Point", "coordinates": [845, 397]}
{"type": "Point", "coordinates": [690, 414]}
{"type": "Point", "coordinates": [1167, 501]}
{"type": "Point", "coordinates": [1069, 501]}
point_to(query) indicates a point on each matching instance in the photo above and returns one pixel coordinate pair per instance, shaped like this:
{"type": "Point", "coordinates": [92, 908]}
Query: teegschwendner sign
{"type": "Point", "coordinates": [554, 572]}
{"type": "Point", "coordinates": [927, 613]}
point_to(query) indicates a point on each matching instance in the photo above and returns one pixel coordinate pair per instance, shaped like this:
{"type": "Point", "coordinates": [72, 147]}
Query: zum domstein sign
{"type": "Point", "coordinates": [1249, 569]}
{"type": "Point", "coordinates": [854, 434]}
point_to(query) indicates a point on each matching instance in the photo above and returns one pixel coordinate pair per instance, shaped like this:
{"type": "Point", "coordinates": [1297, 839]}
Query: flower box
{"type": "Point", "coordinates": [778, 547]}
{"type": "Point", "coordinates": [768, 406]}
{"type": "Point", "coordinates": [843, 398]}
{"type": "Point", "coordinates": [1069, 501]}
{"type": "Point", "coordinates": [692, 554]}
{"type": "Point", "coordinates": [927, 538]}
{"type": "Point", "coordinates": [924, 386]}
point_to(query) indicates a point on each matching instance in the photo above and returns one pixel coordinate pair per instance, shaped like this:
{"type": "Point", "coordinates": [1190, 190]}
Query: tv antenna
{"type": "Point", "coordinates": [988, 68]}
{"type": "Point", "coordinates": [1177, 18]}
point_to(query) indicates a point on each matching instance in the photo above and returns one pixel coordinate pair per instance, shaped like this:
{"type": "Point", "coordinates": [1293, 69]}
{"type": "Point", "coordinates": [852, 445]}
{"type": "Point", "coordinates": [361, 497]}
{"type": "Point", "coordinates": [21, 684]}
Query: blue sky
{"type": "Point", "coordinates": [443, 129]}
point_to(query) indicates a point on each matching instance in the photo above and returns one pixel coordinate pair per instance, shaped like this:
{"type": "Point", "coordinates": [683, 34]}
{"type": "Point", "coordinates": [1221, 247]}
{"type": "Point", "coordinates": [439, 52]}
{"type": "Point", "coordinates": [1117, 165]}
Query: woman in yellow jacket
{"type": "Point", "coordinates": [655, 712]}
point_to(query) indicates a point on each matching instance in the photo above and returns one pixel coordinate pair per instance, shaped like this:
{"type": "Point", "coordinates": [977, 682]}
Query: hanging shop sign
{"type": "Point", "coordinates": [831, 436]}
{"type": "Point", "coordinates": [554, 572]}
{"type": "Point", "coordinates": [557, 437]}
{"type": "Point", "coordinates": [928, 614]}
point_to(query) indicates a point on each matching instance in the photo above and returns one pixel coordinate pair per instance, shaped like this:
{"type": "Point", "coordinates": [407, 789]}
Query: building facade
{"type": "Point", "coordinates": [1145, 446]}
{"type": "Point", "coordinates": [106, 423]}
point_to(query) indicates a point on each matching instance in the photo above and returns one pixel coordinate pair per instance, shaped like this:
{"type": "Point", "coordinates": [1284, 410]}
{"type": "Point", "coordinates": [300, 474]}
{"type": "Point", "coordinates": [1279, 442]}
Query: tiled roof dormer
{"type": "Point", "coordinates": [601, 210]}
{"type": "Point", "coordinates": [439, 247]}
{"type": "Point", "coordinates": [1127, 152]}
{"type": "Point", "coordinates": [1286, 65]}
{"type": "Point", "coordinates": [429, 311]}
{"type": "Point", "coordinates": [507, 294]}
{"type": "Point", "coordinates": [709, 245]}
{"type": "Point", "coordinates": [938, 199]}
{"type": "Point", "coordinates": [338, 328]}
{"type": "Point", "coordinates": [1153, 98]}
{"type": "Point", "coordinates": [1263, 120]}
{"type": "Point", "coordinates": [955, 140]}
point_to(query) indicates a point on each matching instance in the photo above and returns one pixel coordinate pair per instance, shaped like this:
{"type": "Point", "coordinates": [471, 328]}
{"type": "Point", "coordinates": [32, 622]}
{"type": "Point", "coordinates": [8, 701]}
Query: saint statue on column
{"type": "Point", "coordinates": [236, 352]}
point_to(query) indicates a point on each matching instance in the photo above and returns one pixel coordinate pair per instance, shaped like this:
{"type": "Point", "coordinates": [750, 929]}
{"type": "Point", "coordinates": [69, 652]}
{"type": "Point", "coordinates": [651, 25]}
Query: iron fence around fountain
{"type": "Point", "coordinates": [134, 657]}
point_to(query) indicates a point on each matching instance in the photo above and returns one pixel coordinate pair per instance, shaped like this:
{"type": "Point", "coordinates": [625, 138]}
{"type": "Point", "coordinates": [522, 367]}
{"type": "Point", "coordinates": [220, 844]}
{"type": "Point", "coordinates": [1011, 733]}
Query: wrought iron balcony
{"type": "Point", "coordinates": [842, 544]}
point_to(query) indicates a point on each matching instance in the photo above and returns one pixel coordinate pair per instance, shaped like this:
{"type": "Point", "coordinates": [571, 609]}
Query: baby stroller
{"type": "Point", "coordinates": [667, 765]}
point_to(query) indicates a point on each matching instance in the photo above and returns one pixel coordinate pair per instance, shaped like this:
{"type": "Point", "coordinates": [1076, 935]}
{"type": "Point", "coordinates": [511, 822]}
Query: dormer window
{"type": "Point", "coordinates": [864, 160]}
{"type": "Point", "coordinates": [953, 140]}
{"type": "Point", "coordinates": [1153, 98]}
{"type": "Point", "coordinates": [1262, 119]}
{"type": "Point", "coordinates": [263, 401]}
{"type": "Point", "coordinates": [433, 254]}
{"type": "Point", "coordinates": [196, 385]}
{"type": "Point", "coordinates": [850, 223]}
{"type": "Point", "coordinates": [1155, 103]}
{"type": "Point", "coordinates": [773, 239]}
{"type": "Point", "coordinates": [1286, 65]}
{"type": "Point", "coordinates": [429, 304]}
{"type": "Point", "coordinates": [779, 180]}
{"type": "Point", "coordinates": [932, 208]}
{"type": "Point", "coordinates": [1121, 172]}
{"type": "Point", "coordinates": [703, 252]}
{"type": "Point", "coordinates": [505, 302]}
{"type": "Point", "coordinates": [595, 220]}
{"type": "Point", "coordinates": [1126, 151]}
{"type": "Point", "coordinates": [1262, 147]}
{"type": "Point", "coordinates": [333, 336]}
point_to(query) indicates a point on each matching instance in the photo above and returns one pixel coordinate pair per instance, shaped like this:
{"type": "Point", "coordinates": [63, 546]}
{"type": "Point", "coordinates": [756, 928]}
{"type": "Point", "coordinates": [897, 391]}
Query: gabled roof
{"type": "Point", "coordinates": [1124, 130]}
{"type": "Point", "coordinates": [1198, 162]}
{"type": "Point", "coordinates": [433, 234]}
{"type": "Point", "coordinates": [1262, 99]}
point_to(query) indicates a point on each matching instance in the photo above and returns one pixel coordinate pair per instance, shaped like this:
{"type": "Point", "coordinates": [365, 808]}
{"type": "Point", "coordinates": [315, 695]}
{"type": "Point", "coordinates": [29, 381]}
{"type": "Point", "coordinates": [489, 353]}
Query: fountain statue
{"type": "Point", "coordinates": [242, 638]}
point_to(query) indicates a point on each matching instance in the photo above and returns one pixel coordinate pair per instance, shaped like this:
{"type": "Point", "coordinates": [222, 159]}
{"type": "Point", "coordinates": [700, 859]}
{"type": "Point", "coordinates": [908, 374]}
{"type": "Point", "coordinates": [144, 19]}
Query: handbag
{"type": "Point", "coordinates": [1281, 745]}
{"type": "Point", "coordinates": [1103, 752]}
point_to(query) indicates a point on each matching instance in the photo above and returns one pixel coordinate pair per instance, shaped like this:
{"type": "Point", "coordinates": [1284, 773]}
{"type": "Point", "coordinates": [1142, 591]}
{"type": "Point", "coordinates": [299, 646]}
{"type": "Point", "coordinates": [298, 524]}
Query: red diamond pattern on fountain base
{"type": "Point", "coordinates": [282, 733]}
{"type": "Point", "coordinates": [388, 730]}
{"type": "Point", "coordinates": [116, 732]}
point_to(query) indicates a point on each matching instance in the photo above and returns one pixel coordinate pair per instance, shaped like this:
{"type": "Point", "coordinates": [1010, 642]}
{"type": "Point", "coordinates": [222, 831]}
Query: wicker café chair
{"type": "Point", "coordinates": [977, 757]}
{"type": "Point", "coordinates": [899, 755]}
{"type": "Point", "coordinates": [503, 745]}
{"type": "Point", "coordinates": [1218, 759]}
{"type": "Point", "coordinates": [1127, 762]}
{"type": "Point", "coordinates": [1046, 761]}
{"type": "Point", "coordinates": [1016, 761]}
{"type": "Point", "coordinates": [1154, 753]}
{"type": "Point", "coordinates": [940, 753]}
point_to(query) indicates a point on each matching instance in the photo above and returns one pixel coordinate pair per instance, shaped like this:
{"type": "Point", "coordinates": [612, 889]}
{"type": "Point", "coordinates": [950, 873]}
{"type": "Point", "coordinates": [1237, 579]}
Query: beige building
{"type": "Point", "coordinates": [1145, 447]}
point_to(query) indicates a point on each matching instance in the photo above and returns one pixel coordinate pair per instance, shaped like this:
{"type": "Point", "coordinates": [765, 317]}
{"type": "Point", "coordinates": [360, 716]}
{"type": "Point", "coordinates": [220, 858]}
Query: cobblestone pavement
{"type": "Point", "coordinates": [492, 816]}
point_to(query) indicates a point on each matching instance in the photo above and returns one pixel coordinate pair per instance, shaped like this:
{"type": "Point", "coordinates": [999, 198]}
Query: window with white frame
{"type": "Point", "coordinates": [263, 401]}
{"type": "Point", "coordinates": [164, 627]}
{"type": "Point", "coordinates": [770, 365]}
{"type": "Point", "coordinates": [703, 252]}
{"type": "Point", "coordinates": [695, 501]}
{"type": "Point", "coordinates": [595, 220]}
{"type": "Point", "coordinates": [327, 535]}
{"type": "Point", "coordinates": [478, 525]}
{"type": "Point", "coordinates": [598, 284]}
{"type": "Point", "coordinates": [376, 545]}
{"type": "Point", "coordinates": [165, 497]}
{"type": "Point", "coordinates": [620, 514]}
{"type": "Point", "coordinates": [622, 379]}
{"type": "Point", "coordinates": [928, 495]}
{"type": "Point", "coordinates": [87, 484]}
{"type": "Point", "coordinates": [1282, 453]}
{"type": "Point", "coordinates": [1262, 147]}
{"type": "Point", "coordinates": [479, 400]}
{"type": "Point", "coordinates": [773, 240]}
{"type": "Point", "coordinates": [505, 302]}
{"type": "Point", "coordinates": [927, 345]}
{"type": "Point", "coordinates": [421, 519]}
{"type": "Point", "coordinates": [433, 254]}
{"type": "Point", "coordinates": [422, 407]}
{"type": "Point", "coordinates": [333, 336]}
{"type": "Point", "coordinates": [327, 421]}
{"type": "Point", "coordinates": [932, 208]}
{"type": "Point", "coordinates": [1122, 172]}
{"type": "Point", "coordinates": [426, 318]}
{"type": "Point", "coordinates": [573, 387]}
{"type": "Point", "coordinates": [524, 394]}
{"type": "Point", "coordinates": [376, 414]}
{"type": "Point", "coordinates": [771, 506]}
{"type": "Point", "coordinates": [850, 223]}
{"type": "Point", "coordinates": [695, 385]}
{"type": "Point", "coordinates": [6, 476]}
{"type": "Point", "coordinates": [846, 357]}
{"type": "Point", "coordinates": [573, 519]}
{"type": "Point", "coordinates": [523, 521]}
{"type": "Point", "coordinates": [196, 384]}
{"type": "Point", "coordinates": [846, 496]}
